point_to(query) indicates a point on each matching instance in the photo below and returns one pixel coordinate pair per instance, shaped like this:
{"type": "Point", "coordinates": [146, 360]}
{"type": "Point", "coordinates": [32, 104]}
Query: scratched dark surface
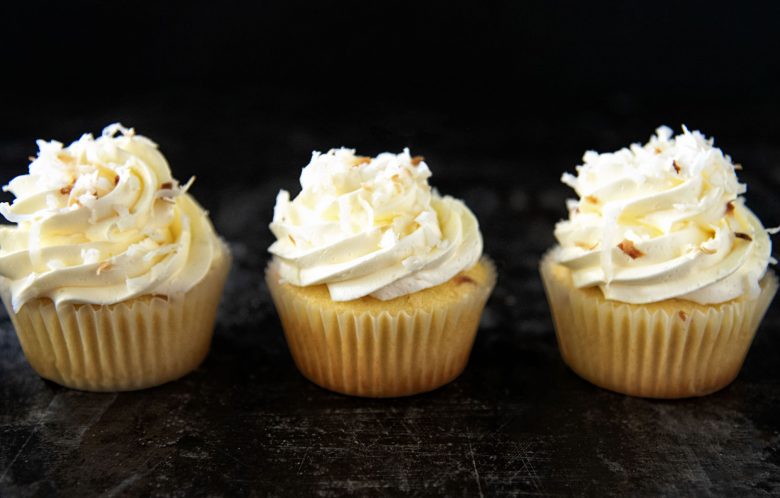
{"type": "Point", "coordinates": [516, 422]}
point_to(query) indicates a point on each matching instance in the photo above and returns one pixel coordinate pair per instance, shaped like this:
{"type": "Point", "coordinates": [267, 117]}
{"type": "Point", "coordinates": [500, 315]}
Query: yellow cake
{"type": "Point", "coordinates": [379, 281]}
{"type": "Point", "coordinates": [113, 273]}
{"type": "Point", "coordinates": [367, 347]}
{"type": "Point", "coordinates": [660, 279]}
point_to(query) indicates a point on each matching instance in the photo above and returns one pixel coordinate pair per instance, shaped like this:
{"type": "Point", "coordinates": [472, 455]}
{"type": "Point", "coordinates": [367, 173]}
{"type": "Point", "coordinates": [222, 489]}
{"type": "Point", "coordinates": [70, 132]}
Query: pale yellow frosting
{"type": "Point", "coordinates": [102, 221]}
{"type": "Point", "coordinates": [663, 220]}
{"type": "Point", "coordinates": [371, 226]}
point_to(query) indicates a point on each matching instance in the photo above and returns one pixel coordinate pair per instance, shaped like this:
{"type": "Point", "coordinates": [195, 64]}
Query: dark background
{"type": "Point", "coordinates": [502, 80]}
{"type": "Point", "coordinates": [501, 98]}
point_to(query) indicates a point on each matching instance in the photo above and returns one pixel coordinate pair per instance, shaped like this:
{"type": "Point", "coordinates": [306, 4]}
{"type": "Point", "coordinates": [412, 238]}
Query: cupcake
{"type": "Point", "coordinates": [659, 280]}
{"type": "Point", "coordinates": [378, 280]}
{"type": "Point", "coordinates": [112, 273]}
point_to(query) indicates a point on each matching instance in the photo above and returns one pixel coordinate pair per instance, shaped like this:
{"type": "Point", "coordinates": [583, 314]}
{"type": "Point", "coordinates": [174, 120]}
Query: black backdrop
{"type": "Point", "coordinates": [240, 93]}
{"type": "Point", "coordinates": [471, 63]}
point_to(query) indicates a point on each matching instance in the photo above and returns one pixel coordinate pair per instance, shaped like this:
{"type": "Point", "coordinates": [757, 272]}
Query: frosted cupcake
{"type": "Point", "coordinates": [113, 272]}
{"type": "Point", "coordinates": [378, 280]}
{"type": "Point", "coordinates": [660, 278]}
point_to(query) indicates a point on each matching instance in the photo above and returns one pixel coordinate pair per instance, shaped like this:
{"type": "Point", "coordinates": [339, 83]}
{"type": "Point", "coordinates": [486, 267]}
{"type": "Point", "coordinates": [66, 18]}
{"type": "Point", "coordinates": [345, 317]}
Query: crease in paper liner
{"type": "Point", "coordinates": [380, 354]}
{"type": "Point", "coordinates": [673, 349]}
{"type": "Point", "coordinates": [130, 345]}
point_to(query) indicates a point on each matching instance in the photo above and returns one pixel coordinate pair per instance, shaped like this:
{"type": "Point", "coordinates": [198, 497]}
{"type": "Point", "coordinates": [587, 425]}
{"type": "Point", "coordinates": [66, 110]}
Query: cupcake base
{"type": "Point", "coordinates": [670, 349]}
{"type": "Point", "coordinates": [367, 347]}
{"type": "Point", "coordinates": [134, 344]}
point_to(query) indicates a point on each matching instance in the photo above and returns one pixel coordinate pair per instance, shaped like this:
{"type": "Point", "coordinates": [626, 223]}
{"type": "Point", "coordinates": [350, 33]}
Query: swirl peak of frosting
{"type": "Point", "coordinates": [100, 221]}
{"type": "Point", "coordinates": [371, 226]}
{"type": "Point", "coordinates": [662, 220]}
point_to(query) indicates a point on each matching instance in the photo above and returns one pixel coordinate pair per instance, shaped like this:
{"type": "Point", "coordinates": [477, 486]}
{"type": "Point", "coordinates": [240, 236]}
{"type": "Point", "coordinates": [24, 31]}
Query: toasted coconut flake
{"type": "Point", "coordinates": [744, 236]}
{"type": "Point", "coordinates": [66, 158]}
{"type": "Point", "coordinates": [630, 249]}
{"type": "Point", "coordinates": [103, 267]}
{"type": "Point", "coordinates": [707, 250]}
{"type": "Point", "coordinates": [683, 315]}
{"type": "Point", "coordinates": [464, 279]}
{"type": "Point", "coordinates": [416, 160]}
{"type": "Point", "coordinates": [585, 245]}
{"type": "Point", "coordinates": [676, 166]}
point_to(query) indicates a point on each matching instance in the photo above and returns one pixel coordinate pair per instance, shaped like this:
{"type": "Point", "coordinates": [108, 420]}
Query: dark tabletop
{"type": "Point", "coordinates": [516, 421]}
{"type": "Point", "coordinates": [525, 91]}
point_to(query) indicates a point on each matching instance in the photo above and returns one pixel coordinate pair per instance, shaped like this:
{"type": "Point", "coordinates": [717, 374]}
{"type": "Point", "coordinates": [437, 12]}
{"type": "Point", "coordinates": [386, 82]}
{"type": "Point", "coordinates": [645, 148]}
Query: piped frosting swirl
{"type": "Point", "coordinates": [663, 220]}
{"type": "Point", "coordinates": [101, 221]}
{"type": "Point", "coordinates": [371, 226]}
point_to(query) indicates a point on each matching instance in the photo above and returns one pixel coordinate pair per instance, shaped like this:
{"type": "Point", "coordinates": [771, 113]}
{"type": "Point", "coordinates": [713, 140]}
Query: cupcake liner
{"type": "Point", "coordinates": [382, 353]}
{"type": "Point", "coordinates": [134, 344]}
{"type": "Point", "coordinates": [670, 349]}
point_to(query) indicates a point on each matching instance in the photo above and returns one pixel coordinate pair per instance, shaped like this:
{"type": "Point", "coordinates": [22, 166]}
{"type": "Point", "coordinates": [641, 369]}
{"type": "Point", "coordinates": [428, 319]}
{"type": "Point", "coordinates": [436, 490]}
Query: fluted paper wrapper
{"type": "Point", "coordinates": [670, 349]}
{"type": "Point", "coordinates": [381, 354]}
{"type": "Point", "coordinates": [133, 344]}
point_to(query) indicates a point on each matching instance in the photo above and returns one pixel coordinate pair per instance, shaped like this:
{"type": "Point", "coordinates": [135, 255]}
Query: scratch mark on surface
{"type": "Point", "coordinates": [97, 417]}
{"type": "Point", "coordinates": [243, 464]}
{"type": "Point", "coordinates": [476, 472]}
{"type": "Point", "coordinates": [305, 455]}
{"type": "Point", "coordinates": [34, 430]}
{"type": "Point", "coordinates": [129, 481]}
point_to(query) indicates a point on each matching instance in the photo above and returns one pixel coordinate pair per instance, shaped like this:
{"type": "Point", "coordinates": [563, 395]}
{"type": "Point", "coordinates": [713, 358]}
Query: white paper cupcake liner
{"type": "Point", "coordinates": [671, 349]}
{"type": "Point", "coordinates": [381, 354]}
{"type": "Point", "coordinates": [133, 344]}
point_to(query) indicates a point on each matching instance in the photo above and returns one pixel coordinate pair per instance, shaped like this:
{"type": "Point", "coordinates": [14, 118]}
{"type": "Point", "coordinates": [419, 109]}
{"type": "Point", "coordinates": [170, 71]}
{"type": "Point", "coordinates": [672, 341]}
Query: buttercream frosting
{"type": "Point", "coordinates": [662, 220]}
{"type": "Point", "coordinates": [371, 226]}
{"type": "Point", "coordinates": [100, 221]}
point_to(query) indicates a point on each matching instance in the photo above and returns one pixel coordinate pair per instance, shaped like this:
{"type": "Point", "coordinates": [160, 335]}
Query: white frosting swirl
{"type": "Point", "coordinates": [101, 221]}
{"type": "Point", "coordinates": [664, 220]}
{"type": "Point", "coordinates": [371, 227]}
